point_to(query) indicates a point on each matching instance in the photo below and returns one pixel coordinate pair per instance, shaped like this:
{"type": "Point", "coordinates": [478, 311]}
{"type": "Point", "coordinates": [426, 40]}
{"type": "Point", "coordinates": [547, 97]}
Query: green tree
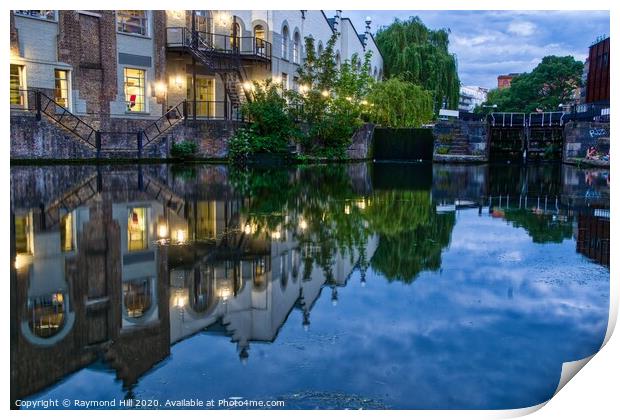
{"type": "Point", "coordinates": [420, 55]}
{"type": "Point", "coordinates": [398, 103]}
{"type": "Point", "coordinates": [550, 84]}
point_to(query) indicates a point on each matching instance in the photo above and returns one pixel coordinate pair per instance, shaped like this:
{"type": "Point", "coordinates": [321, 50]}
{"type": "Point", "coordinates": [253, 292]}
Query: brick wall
{"type": "Point", "coordinates": [88, 43]}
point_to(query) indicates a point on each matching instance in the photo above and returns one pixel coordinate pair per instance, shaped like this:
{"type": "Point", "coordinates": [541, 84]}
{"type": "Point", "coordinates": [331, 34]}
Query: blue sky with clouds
{"type": "Point", "coordinates": [489, 43]}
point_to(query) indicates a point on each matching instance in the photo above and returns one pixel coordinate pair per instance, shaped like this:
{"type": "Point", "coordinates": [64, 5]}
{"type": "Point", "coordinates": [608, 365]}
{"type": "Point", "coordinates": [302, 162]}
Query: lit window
{"type": "Point", "coordinates": [23, 244]}
{"type": "Point", "coordinates": [135, 90]}
{"type": "Point", "coordinates": [235, 37]}
{"type": "Point", "coordinates": [137, 298]}
{"type": "Point", "coordinates": [38, 14]}
{"type": "Point", "coordinates": [66, 233]}
{"type": "Point", "coordinates": [47, 314]}
{"type": "Point", "coordinates": [136, 229]}
{"type": "Point", "coordinates": [132, 22]}
{"type": "Point", "coordinates": [61, 87]}
{"type": "Point", "coordinates": [17, 85]}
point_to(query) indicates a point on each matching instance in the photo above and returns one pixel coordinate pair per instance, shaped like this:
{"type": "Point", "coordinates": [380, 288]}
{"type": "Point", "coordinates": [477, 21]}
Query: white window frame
{"type": "Point", "coordinates": [22, 13]}
{"type": "Point", "coordinates": [144, 88]}
{"type": "Point", "coordinates": [120, 24]}
{"type": "Point", "coordinates": [69, 93]}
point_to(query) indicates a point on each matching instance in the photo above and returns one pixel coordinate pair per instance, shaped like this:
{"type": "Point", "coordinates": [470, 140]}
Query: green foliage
{"type": "Point", "coordinates": [183, 150]}
{"type": "Point", "coordinates": [550, 84]}
{"type": "Point", "coordinates": [541, 227]}
{"type": "Point", "coordinates": [398, 103]}
{"type": "Point", "coordinates": [420, 55]}
{"type": "Point", "coordinates": [272, 125]}
{"type": "Point", "coordinates": [331, 101]}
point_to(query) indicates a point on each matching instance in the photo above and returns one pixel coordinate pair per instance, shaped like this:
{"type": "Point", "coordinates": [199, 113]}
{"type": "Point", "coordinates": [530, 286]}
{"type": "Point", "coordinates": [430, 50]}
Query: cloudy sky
{"type": "Point", "coordinates": [489, 43]}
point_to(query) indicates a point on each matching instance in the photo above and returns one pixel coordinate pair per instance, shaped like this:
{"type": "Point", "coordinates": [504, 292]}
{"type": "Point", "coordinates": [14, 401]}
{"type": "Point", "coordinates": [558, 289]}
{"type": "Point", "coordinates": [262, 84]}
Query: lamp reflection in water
{"type": "Point", "coordinates": [162, 230]}
{"type": "Point", "coordinates": [181, 236]}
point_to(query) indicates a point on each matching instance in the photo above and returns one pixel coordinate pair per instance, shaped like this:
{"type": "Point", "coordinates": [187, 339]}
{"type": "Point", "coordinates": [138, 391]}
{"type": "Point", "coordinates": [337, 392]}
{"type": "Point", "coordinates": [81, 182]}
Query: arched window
{"type": "Point", "coordinates": [338, 60]}
{"type": "Point", "coordinates": [375, 73]}
{"type": "Point", "coordinates": [259, 35]}
{"type": "Point", "coordinates": [319, 51]}
{"type": "Point", "coordinates": [285, 43]}
{"type": "Point", "coordinates": [296, 47]}
{"type": "Point", "coordinates": [235, 36]}
{"type": "Point", "coordinates": [204, 26]}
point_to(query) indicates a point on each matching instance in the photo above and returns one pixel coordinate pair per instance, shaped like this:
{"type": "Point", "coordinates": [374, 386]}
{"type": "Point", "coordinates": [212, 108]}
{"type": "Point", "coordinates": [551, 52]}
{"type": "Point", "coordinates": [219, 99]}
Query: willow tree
{"type": "Point", "coordinates": [398, 103]}
{"type": "Point", "coordinates": [420, 55]}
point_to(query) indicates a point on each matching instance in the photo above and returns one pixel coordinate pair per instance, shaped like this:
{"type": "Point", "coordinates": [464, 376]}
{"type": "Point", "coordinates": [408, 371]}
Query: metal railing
{"type": "Point", "coordinates": [218, 43]}
{"type": "Point", "coordinates": [546, 119]}
{"type": "Point", "coordinates": [38, 102]}
{"type": "Point", "coordinates": [172, 117]}
{"type": "Point", "coordinates": [214, 110]}
{"type": "Point", "coordinates": [507, 119]}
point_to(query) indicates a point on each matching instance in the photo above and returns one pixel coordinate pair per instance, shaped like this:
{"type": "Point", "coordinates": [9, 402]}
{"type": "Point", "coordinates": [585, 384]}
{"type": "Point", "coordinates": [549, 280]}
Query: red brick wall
{"type": "Point", "coordinates": [598, 72]}
{"type": "Point", "coordinates": [88, 43]}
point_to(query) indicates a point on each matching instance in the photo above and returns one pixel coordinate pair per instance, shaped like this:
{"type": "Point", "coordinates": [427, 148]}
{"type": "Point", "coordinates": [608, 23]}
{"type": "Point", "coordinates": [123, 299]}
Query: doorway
{"type": "Point", "coordinates": [205, 96]}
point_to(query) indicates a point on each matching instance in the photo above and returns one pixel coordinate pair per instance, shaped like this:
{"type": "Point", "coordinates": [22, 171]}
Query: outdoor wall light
{"type": "Point", "coordinates": [162, 230]}
{"type": "Point", "coordinates": [181, 236]}
{"type": "Point", "coordinates": [178, 81]}
{"type": "Point", "coordinates": [160, 89]}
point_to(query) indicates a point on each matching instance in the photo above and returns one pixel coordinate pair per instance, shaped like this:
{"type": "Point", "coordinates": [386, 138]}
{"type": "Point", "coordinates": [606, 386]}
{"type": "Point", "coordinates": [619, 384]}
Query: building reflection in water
{"type": "Point", "coordinates": [128, 262]}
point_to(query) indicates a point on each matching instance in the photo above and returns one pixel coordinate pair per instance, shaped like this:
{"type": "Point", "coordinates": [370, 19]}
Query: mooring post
{"type": "Point", "coordinates": [139, 144]}
{"type": "Point", "coordinates": [37, 101]}
{"type": "Point", "coordinates": [98, 143]}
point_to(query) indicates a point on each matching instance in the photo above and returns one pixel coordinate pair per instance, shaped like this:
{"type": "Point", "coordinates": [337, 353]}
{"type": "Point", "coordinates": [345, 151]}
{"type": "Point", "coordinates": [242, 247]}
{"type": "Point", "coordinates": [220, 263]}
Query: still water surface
{"type": "Point", "coordinates": [352, 286]}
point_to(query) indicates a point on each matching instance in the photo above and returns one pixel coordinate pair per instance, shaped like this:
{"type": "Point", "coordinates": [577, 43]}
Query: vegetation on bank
{"type": "Point", "coordinates": [329, 104]}
{"type": "Point", "coordinates": [551, 83]}
{"type": "Point", "coordinates": [420, 55]}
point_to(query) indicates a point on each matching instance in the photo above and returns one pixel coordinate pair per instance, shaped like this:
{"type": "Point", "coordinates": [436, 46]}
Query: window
{"type": "Point", "coordinates": [23, 242]}
{"type": "Point", "coordinates": [296, 48]}
{"type": "Point", "coordinates": [17, 86]}
{"type": "Point", "coordinates": [38, 14]}
{"type": "Point", "coordinates": [61, 85]}
{"type": "Point", "coordinates": [137, 297]}
{"type": "Point", "coordinates": [132, 22]}
{"type": "Point", "coordinates": [66, 233]}
{"type": "Point", "coordinates": [285, 43]}
{"type": "Point", "coordinates": [135, 90]}
{"type": "Point", "coordinates": [320, 49]}
{"type": "Point", "coordinates": [136, 229]}
{"type": "Point", "coordinates": [284, 81]}
{"type": "Point", "coordinates": [235, 37]}
{"type": "Point", "coordinates": [259, 34]}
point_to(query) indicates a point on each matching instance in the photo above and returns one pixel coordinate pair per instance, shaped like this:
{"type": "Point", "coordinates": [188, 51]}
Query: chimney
{"type": "Point", "coordinates": [337, 20]}
{"type": "Point", "coordinates": [367, 33]}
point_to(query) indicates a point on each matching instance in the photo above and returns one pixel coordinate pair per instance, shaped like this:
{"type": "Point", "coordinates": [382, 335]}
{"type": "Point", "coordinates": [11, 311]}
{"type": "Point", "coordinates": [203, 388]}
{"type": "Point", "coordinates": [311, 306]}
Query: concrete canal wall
{"type": "Point", "coordinates": [461, 141]}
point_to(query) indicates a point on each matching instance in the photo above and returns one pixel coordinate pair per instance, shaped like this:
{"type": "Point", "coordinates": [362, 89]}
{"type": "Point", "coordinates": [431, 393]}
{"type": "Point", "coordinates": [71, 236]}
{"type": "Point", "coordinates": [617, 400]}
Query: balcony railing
{"type": "Point", "coordinates": [249, 46]}
{"type": "Point", "coordinates": [213, 110]}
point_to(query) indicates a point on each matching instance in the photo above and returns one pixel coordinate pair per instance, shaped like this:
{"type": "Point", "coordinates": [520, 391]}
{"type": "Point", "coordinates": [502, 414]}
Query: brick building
{"type": "Point", "coordinates": [120, 69]}
{"type": "Point", "coordinates": [504, 80]}
{"type": "Point", "coordinates": [597, 85]}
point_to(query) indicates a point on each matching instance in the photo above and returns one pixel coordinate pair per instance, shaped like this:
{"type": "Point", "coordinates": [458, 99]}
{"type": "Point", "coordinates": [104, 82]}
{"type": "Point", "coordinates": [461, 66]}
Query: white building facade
{"type": "Point", "coordinates": [471, 97]}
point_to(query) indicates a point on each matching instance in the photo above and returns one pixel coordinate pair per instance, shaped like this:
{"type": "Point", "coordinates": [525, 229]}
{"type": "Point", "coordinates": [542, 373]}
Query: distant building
{"type": "Point", "coordinates": [597, 86]}
{"type": "Point", "coordinates": [504, 80]}
{"type": "Point", "coordinates": [471, 97]}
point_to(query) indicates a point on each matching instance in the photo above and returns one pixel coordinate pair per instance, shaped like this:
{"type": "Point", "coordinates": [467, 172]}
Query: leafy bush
{"type": "Point", "coordinates": [183, 149]}
{"type": "Point", "coordinates": [272, 126]}
{"type": "Point", "coordinates": [442, 150]}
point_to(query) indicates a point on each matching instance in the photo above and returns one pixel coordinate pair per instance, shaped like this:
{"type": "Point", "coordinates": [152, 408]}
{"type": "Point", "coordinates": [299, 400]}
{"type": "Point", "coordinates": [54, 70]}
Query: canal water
{"type": "Point", "coordinates": [408, 286]}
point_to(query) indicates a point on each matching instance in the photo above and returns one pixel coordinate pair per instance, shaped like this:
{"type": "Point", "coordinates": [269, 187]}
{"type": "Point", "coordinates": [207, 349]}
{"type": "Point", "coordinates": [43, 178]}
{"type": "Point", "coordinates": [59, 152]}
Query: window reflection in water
{"type": "Point", "coordinates": [23, 242]}
{"type": "Point", "coordinates": [47, 314]}
{"type": "Point", "coordinates": [261, 268]}
{"type": "Point", "coordinates": [136, 229]}
{"type": "Point", "coordinates": [137, 297]}
{"type": "Point", "coordinates": [66, 233]}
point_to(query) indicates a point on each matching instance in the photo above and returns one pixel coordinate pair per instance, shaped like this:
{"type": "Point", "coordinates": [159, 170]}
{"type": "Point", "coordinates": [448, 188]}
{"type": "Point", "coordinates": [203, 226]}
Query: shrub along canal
{"type": "Point", "coordinates": [341, 286]}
